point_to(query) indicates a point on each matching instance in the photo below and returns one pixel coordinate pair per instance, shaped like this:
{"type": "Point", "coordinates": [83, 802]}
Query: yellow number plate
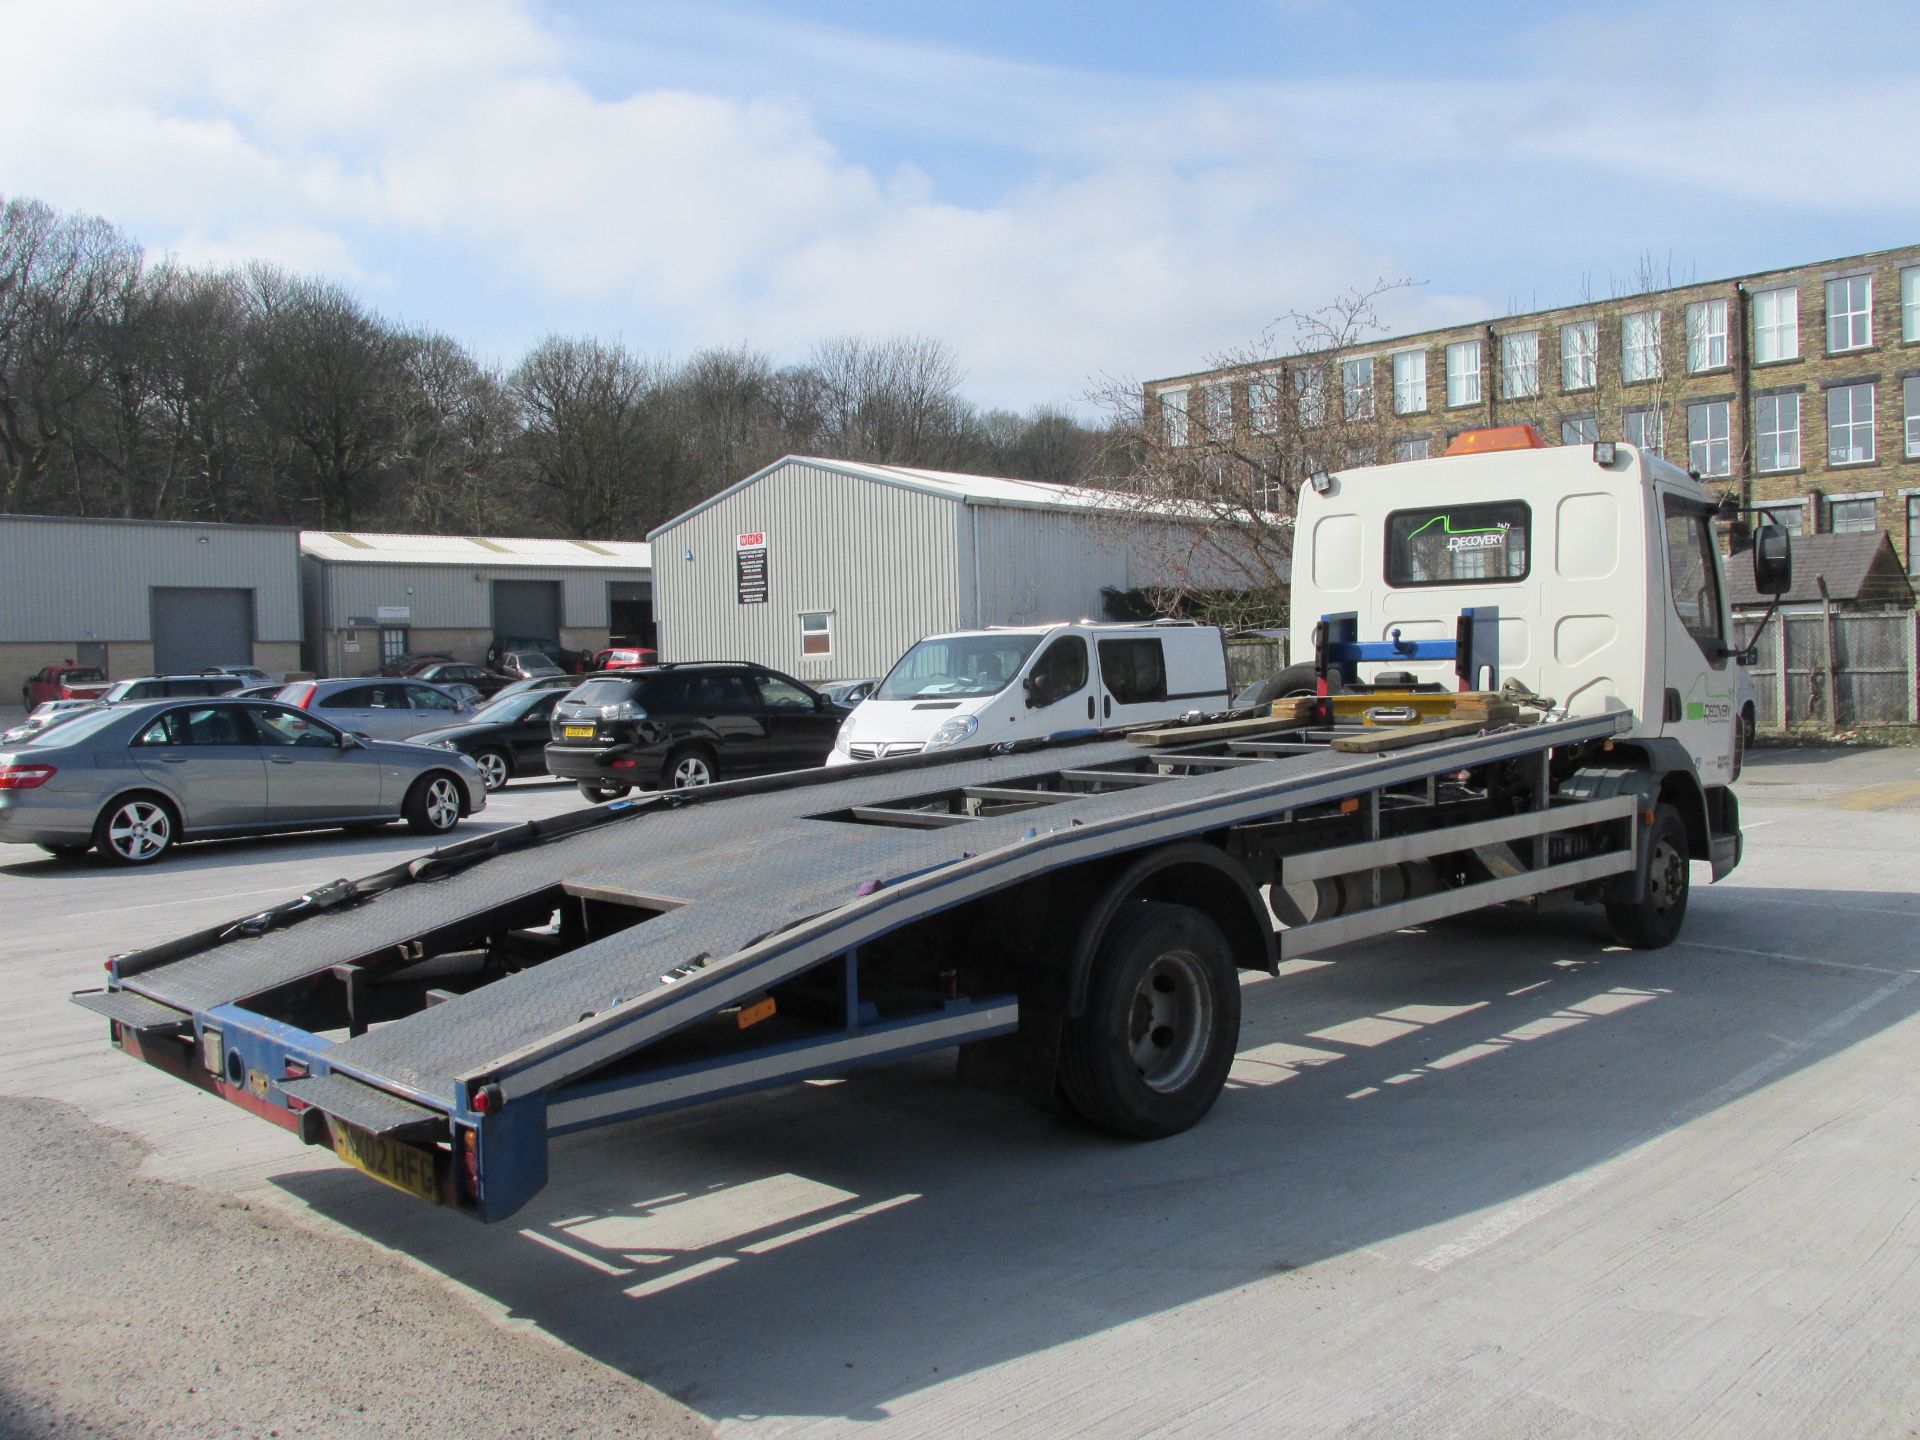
{"type": "Point", "coordinates": [577, 732]}
{"type": "Point", "coordinates": [405, 1167]}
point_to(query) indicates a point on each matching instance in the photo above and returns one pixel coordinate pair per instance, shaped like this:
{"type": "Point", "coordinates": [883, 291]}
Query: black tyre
{"type": "Point", "coordinates": [66, 852]}
{"type": "Point", "coordinates": [598, 794]}
{"type": "Point", "coordinates": [135, 830]}
{"type": "Point", "coordinates": [1149, 1054]}
{"type": "Point", "coordinates": [1749, 725]}
{"type": "Point", "coordinates": [1654, 921]}
{"type": "Point", "coordinates": [496, 768]}
{"type": "Point", "coordinates": [688, 767]}
{"type": "Point", "coordinates": [434, 804]}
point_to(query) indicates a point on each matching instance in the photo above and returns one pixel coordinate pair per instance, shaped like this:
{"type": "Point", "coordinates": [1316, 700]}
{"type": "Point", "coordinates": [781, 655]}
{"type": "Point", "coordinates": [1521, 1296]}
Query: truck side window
{"type": "Point", "coordinates": [1461, 544]}
{"type": "Point", "coordinates": [1691, 574]}
{"type": "Point", "coordinates": [1134, 671]}
{"type": "Point", "coordinates": [1060, 670]}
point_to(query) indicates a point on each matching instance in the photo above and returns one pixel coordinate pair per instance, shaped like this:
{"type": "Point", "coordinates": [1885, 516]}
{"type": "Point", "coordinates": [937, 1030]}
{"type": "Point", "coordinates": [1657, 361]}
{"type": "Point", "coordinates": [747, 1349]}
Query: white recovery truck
{"type": "Point", "coordinates": [1071, 913]}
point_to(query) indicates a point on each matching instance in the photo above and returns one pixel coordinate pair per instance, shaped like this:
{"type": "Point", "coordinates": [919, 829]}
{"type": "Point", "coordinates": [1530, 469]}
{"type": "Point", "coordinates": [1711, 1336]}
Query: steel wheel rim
{"type": "Point", "coordinates": [493, 769]}
{"type": "Point", "coordinates": [1170, 1021]}
{"type": "Point", "coordinates": [139, 830]}
{"type": "Point", "coordinates": [1664, 876]}
{"type": "Point", "coordinates": [443, 804]}
{"type": "Point", "coordinates": [691, 770]}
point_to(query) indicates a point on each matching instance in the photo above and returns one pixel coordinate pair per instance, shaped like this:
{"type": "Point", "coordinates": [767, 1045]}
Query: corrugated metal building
{"type": "Point", "coordinates": [143, 597]}
{"type": "Point", "coordinates": [827, 569]}
{"type": "Point", "coordinates": [370, 596]}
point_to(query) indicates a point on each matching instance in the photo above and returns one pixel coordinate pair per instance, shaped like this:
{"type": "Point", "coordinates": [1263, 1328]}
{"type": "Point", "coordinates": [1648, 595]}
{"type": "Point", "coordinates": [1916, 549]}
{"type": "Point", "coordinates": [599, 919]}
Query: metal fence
{"type": "Point", "coordinates": [1842, 669]}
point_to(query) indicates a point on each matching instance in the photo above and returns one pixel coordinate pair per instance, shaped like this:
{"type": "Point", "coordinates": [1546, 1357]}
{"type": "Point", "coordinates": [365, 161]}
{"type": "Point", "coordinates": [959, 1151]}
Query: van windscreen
{"type": "Point", "coordinates": [957, 666]}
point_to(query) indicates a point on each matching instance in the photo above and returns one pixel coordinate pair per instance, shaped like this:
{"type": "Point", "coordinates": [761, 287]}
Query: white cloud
{"type": "Point", "coordinates": [1125, 225]}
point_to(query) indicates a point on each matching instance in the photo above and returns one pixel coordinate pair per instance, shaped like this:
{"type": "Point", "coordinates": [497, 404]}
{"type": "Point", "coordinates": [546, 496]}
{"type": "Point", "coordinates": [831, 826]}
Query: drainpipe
{"type": "Point", "coordinates": [1742, 388]}
{"type": "Point", "coordinates": [1493, 380]}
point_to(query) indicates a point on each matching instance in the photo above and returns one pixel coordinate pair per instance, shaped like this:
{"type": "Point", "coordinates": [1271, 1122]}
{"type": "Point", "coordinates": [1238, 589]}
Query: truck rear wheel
{"type": "Point", "coordinates": [1653, 922]}
{"type": "Point", "coordinates": [1149, 1054]}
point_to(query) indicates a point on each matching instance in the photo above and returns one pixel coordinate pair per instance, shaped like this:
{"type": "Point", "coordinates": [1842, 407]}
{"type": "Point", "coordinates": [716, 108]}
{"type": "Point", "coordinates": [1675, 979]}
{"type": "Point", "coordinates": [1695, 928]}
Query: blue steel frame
{"type": "Point", "coordinates": [1474, 650]}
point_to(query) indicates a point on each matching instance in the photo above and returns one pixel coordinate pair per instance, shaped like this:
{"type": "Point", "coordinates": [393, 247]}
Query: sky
{"type": "Point", "coordinates": [1065, 193]}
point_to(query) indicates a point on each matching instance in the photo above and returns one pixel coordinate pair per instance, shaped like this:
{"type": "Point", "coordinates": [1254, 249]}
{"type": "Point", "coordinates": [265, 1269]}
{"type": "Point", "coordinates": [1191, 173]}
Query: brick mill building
{"type": "Point", "coordinates": [1800, 387]}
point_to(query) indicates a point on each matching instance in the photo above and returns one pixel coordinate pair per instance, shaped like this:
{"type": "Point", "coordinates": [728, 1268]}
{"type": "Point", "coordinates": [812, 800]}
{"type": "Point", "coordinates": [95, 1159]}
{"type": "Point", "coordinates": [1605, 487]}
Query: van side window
{"type": "Point", "coordinates": [1059, 672]}
{"type": "Point", "coordinates": [1135, 671]}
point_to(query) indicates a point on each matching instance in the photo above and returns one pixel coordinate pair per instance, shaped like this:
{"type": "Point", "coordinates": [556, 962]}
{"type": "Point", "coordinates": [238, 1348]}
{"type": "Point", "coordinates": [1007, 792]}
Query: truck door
{"type": "Point", "coordinates": [1698, 683]}
{"type": "Point", "coordinates": [1058, 693]}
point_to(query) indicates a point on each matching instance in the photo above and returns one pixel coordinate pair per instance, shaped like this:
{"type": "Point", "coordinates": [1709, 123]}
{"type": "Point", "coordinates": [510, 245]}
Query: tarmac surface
{"type": "Point", "coordinates": [1493, 1178]}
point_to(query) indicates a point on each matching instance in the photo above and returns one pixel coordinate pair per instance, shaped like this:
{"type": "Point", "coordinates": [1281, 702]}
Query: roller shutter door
{"type": "Point", "coordinates": [527, 610]}
{"type": "Point", "coordinates": [193, 629]}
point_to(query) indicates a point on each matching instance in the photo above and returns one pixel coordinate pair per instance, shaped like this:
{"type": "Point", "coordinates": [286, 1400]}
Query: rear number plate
{"type": "Point", "coordinates": [577, 732]}
{"type": "Point", "coordinates": [411, 1168]}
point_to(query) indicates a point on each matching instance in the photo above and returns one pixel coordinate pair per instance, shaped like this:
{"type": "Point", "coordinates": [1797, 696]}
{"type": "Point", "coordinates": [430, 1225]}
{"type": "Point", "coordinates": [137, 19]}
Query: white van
{"type": "Point", "coordinates": [981, 687]}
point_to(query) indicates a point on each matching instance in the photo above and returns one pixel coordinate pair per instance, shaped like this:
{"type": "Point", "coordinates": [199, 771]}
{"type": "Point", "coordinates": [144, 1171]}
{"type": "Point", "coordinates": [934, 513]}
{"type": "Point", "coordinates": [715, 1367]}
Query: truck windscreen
{"type": "Point", "coordinates": [1459, 544]}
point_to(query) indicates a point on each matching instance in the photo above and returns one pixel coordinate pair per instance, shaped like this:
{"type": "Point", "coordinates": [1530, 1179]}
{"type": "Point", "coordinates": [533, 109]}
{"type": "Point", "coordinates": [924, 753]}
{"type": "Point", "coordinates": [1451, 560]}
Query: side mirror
{"type": "Point", "coordinates": [1772, 559]}
{"type": "Point", "coordinates": [353, 739]}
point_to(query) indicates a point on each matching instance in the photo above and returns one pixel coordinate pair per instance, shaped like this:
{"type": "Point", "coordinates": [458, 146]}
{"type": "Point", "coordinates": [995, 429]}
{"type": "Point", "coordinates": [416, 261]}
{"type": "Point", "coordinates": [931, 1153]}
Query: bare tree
{"type": "Point", "coordinates": [454, 449]}
{"type": "Point", "coordinates": [894, 401]}
{"type": "Point", "coordinates": [585, 436]}
{"type": "Point", "coordinates": [1228, 454]}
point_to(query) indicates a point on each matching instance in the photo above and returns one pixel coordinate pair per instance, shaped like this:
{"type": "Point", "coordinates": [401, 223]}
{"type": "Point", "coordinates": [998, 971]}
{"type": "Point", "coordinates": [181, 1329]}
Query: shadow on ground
{"type": "Point", "coordinates": [826, 1249]}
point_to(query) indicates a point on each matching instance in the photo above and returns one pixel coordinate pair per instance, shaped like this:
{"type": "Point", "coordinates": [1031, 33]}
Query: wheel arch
{"type": "Point", "coordinates": [148, 791]}
{"type": "Point", "coordinates": [426, 777]}
{"type": "Point", "coordinates": [1199, 876]}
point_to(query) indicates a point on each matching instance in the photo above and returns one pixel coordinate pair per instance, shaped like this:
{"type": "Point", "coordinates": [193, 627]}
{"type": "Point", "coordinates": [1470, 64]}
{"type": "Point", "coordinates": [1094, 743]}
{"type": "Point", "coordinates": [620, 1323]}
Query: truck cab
{"type": "Point", "coordinates": [1590, 571]}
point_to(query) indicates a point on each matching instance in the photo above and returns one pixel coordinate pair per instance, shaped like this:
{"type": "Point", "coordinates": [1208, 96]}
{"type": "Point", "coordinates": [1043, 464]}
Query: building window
{"type": "Point", "coordinates": [1776, 325]}
{"type": "Point", "coordinates": [1463, 373]}
{"type": "Point", "coordinates": [1850, 313]}
{"type": "Point", "coordinates": [1310, 397]}
{"type": "Point", "coordinates": [1269, 491]}
{"type": "Point", "coordinates": [1216, 412]}
{"type": "Point", "coordinates": [1263, 404]}
{"type": "Point", "coordinates": [1708, 447]}
{"type": "Point", "coordinates": [1851, 516]}
{"type": "Point", "coordinates": [1640, 346]}
{"type": "Point", "coordinates": [1356, 383]}
{"type": "Point", "coordinates": [1173, 416]}
{"type": "Point", "coordinates": [1910, 388]}
{"type": "Point", "coordinates": [1790, 516]}
{"type": "Point", "coordinates": [1580, 355]}
{"type": "Point", "coordinates": [1706, 335]}
{"type": "Point", "coordinates": [1410, 382]}
{"type": "Point", "coordinates": [1580, 430]}
{"type": "Point", "coordinates": [1776, 432]}
{"type": "Point", "coordinates": [1418, 449]}
{"type": "Point", "coordinates": [1520, 365]}
{"type": "Point", "coordinates": [816, 632]}
{"type": "Point", "coordinates": [393, 644]}
{"type": "Point", "coordinates": [1646, 428]}
{"type": "Point", "coordinates": [1910, 304]}
{"type": "Point", "coordinates": [1913, 534]}
{"type": "Point", "coordinates": [1850, 425]}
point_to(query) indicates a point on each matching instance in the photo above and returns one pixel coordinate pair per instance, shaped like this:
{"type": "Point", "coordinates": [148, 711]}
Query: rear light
{"type": "Point", "coordinates": [25, 777]}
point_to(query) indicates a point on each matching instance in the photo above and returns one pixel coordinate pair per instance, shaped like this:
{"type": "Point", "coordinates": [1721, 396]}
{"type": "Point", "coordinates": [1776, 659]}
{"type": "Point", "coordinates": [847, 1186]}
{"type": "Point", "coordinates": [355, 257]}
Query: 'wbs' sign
{"type": "Point", "coordinates": [750, 564]}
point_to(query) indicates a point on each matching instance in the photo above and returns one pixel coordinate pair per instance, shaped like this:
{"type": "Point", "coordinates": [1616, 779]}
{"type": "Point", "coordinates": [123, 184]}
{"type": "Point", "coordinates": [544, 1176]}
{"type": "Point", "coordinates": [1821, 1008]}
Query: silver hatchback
{"type": "Point", "coordinates": [385, 709]}
{"type": "Point", "coordinates": [133, 780]}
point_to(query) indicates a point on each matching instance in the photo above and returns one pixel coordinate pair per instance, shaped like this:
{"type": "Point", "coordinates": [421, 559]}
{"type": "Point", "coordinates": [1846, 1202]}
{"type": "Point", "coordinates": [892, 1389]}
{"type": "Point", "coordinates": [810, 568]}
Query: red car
{"type": "Point", "coordinates": [626, 657]}
{"type": "Point", "coordinates": [67, 681]}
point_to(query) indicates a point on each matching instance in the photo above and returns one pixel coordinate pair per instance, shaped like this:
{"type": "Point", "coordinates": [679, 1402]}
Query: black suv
{"type": "Point", "coordinates": [687, 724]}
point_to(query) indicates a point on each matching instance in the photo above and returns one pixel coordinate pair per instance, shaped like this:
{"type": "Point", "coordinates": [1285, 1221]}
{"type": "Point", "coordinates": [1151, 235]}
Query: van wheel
{"type": "Point", "coordinates": [1149, 1054]}
{"type": "Point", "coordinates": [1653, 922]}
{"type": "Point", "coordinates": [688, 767]}
{"type": "Point", "coordinates": [135, 830]}
{"type": "Point", "coordinates": [433, 805]}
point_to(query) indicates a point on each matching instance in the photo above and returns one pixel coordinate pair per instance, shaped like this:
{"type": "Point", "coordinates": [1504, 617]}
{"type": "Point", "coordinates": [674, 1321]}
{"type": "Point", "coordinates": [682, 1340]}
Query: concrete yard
{"type": "Point", "coordinates": [1499, 1178]}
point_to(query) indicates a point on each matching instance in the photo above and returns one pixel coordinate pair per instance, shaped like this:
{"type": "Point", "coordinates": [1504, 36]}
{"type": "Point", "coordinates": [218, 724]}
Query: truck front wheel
{"type": "Point", "coordinates": [1653, 922]}
{"type": "Point", "coordinates": [1149, 1054]}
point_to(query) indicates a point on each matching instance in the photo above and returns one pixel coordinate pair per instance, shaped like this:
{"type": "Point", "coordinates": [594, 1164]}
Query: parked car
{"type": "Point", "coordinates": [170, 687]}
{"type": "Point", "coordinates": [527, 665]}
{"type": "Point", "coordinates": [848, 692]}
{"type": "Point", "coordinates": [132, 781]}
{"type": "Point", "coordinates": [562, 683]}
{"type": "Point", "coordinates": [47, 712]}
{"type": "Point", "coordinates": [409, 661]}
{"type": "Point", "coordinates": [458, 672]}
{"type": "Point", "coordinates": [380, 709]}
{"type": "Point", "coordinates": [260, 692]}
{"type": "Point", "coordinates": [506, 737]}
{"type": "Point", "coordinates": [573, 662]}
{"type": "Point", "coordinates": [625, 657]}
{"type": "Point", "coordinates": [687, 724]}
{"type": "Point", "coordinates": [64, 682]}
